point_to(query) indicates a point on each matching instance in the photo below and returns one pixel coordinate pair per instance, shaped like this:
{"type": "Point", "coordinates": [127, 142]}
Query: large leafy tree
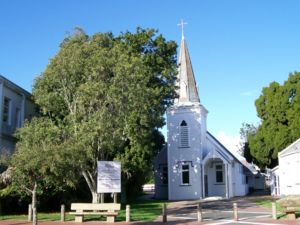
{"type": "Point", "coordinates": [108, 95]}
{"type": "Point", "coordinates": [39, 162]}
{"type": "Point", "coordinates": [278, 108]}
{"type": "Point", "coordinates": [246, 131]}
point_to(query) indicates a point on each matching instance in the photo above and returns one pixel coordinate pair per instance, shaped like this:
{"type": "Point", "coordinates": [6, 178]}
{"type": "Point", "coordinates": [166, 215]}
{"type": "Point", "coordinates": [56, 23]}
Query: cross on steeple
{"type": "Point", "coordinates": [182, 26]}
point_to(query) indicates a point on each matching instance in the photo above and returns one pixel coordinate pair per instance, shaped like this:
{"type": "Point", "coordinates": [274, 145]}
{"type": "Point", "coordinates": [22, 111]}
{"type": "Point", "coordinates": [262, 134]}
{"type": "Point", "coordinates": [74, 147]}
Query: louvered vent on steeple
{"type": "Point", "coordinates": [184, 135]}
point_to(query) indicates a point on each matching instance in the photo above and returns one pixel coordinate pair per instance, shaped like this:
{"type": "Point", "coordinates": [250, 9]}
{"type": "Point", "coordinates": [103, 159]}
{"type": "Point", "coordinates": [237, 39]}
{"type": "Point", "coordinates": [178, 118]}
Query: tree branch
{"type": "Point", "coordinates": [27, 189]}
{"type": "Point", "coordinates": [92, 180]}
{"type": "Point", "coordinates": [88, 181]}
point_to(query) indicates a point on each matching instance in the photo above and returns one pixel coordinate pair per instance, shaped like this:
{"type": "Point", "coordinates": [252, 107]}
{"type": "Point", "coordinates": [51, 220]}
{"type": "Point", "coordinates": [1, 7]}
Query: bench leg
{"type": "Point", "coordinates": [78, 218]}
{"type": "Point", "coordinates": [110, 219]}
{"type": "Point", "coordinates": [291, 215]}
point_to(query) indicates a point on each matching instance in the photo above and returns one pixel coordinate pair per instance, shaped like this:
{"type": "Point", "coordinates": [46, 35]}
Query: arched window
{"type": "Point", "coordinates": [184, 135]}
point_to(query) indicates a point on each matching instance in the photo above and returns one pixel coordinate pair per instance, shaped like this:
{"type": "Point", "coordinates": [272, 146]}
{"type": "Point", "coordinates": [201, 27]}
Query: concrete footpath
{"type": "Point", "coordinates": [185, 212]}
{"type": "Point", "coordinates": [178, 222]}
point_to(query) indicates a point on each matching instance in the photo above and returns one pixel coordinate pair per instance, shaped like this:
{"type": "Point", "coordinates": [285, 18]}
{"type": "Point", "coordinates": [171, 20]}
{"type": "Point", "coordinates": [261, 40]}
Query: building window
{"type": "Point", "coordinates": [241, 168]}
{"type": "Point", "coordinates": [184, 135]}
{"type": "Point", "coordinates": [185, 174]}
{"type": "Point", "coordinates": [6, 110]}
{"type": "Point", "coordinates": [219, 174]}
{"type": "Point", "coordinates": [18, 118]}
{"type": "Point", "coordinates": [165, 175]}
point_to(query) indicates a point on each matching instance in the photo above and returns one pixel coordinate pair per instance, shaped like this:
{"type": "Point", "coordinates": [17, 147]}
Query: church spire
{"type": "Point", "coordinates": [186, 80]}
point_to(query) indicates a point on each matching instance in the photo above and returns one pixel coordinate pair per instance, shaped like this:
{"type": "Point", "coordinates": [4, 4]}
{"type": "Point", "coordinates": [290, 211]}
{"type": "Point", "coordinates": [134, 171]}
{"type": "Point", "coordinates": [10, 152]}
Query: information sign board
{"type": "Point", "coordinates": [109, 177]}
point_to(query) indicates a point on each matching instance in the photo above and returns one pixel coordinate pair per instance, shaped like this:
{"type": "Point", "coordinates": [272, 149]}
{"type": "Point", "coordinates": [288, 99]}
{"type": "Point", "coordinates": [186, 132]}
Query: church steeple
{"type": "Point", "coordinates": [188, 92]}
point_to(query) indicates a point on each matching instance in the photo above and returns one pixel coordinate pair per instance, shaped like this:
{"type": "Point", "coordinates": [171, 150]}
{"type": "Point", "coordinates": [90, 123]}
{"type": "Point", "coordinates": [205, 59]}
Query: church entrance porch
{"type": "Point", "coordinates": [215, 179]}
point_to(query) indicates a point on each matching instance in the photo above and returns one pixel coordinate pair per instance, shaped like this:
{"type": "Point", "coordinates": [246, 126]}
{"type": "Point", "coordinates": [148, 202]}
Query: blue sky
{"type": "Point", "coordinates": [237, 47]}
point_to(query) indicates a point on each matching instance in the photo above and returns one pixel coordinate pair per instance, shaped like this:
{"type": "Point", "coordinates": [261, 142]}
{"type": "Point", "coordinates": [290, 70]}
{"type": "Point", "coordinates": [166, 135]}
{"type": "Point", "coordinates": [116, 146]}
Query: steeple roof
{"type": "Point", "coordinates": [188, 92]}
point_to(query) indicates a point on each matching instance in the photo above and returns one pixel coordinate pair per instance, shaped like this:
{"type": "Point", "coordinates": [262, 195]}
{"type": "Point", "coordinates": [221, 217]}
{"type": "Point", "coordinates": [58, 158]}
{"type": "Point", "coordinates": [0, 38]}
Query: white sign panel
{"type": "Point", "coordinates": [109, 177]}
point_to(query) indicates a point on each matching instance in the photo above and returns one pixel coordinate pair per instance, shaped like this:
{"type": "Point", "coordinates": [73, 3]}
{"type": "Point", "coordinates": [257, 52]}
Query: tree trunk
{"type": "Point", "coordinates": [92, 186]}
{"type": "Point", "coordinates": [95, 197]}
{"type": "Point", "coordinates": [34, 211]}
{"type": "Point", "coordinates": [34, 218]}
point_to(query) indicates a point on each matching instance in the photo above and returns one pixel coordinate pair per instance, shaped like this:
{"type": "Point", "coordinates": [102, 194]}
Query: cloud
{"type": "Point", "coordinates": [232, 143]}
{"type": "Point", "coordinates": [248, 93]}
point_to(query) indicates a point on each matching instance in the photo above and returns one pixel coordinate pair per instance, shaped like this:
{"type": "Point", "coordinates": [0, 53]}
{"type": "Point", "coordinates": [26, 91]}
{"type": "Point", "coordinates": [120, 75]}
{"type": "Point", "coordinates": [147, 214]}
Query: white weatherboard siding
{"type": "Point", "coordinates": [240, 186]}
{"type": "Point", "coordinates": [161, 175]}
{"type": "Point", "coordinates": [289, 167]}
{"type": "Point", "coordinates": [179, 155]}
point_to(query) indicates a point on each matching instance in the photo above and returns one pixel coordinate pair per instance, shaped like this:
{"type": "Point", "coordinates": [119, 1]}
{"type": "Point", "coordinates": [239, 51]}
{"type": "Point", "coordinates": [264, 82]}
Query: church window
{"type": "Point", "coordinates": [244, 179]}
{"type": "Point", "coordinates": [219, 174]}
{"type": "Point", "coordinates": [6, 110]}
{"type": "Point", "coordinates": [165, 175]}
{"type": "Point", "coordinates": [185, 174]}
{"type": "Point", "coordinates": [240, 168]}
{"type": "Point", "coordinates": [18, 118]}
{"type": "Point", "coordinates": [184, 135]}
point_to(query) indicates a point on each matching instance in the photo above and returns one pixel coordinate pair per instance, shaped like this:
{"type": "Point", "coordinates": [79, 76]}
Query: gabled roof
{"type": "Point", "coordinates": [222, 146]}
{"type": "Point", "coordinates": [275, 168]}
{"type": "Point", "coordinates": [251, 167]}
{"type": "Point", "coordinates": [291, 149]}
{"type": "Point", "coordinates": [188, 92]}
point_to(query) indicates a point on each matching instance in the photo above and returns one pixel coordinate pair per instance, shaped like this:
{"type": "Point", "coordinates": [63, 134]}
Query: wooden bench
{"type": "Point", "coordinates": [291, 212]}
{"type": "Point", "coordinates": [291, 204]}
{"type": "Point", "coordinates": [110, 210]}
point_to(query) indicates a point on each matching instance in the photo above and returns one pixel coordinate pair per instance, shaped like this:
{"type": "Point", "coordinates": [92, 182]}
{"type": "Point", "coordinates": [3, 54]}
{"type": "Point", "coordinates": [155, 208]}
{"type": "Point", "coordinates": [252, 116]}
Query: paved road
{"type": "Point", "coordinates": [220, 212]}
{"type": "Point", "coordinates": [219, 215]}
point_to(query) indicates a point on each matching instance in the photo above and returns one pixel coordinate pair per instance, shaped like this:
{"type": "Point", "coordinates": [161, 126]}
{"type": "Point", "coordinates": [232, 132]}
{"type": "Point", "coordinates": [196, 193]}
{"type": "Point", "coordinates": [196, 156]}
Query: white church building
{"type": "Point", "coordinates": [285, 179]}
{"type": "Point", "coordinates": [194, 164]}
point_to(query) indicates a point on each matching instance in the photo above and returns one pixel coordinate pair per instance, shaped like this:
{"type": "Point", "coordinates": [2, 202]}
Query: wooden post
{"type": "Point", "coordinates": [291, 215]}
{"type": "Point", "coordinates": [274, 211]}
{"type": "Point", "coordinates": [34, 218]}
{"type": "Point", "coordinates": [29, 212]}
{"type": "Point", "coordinates": [164, 213]}
{"type": "Point", "coordinates": [62, 213]}
{"type": "Point", "coordinates": [235, 212]}
{"type": "Point", "coordinates": [127, 213]}
{"type": "Point", "coordinates": [115, 197]}
{"type": "Point", "coordinates": [199, 212]}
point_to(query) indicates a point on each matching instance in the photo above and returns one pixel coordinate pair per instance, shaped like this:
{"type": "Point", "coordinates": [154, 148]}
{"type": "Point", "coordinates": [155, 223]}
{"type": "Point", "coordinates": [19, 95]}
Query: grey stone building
{"type": "Point", "coordinates": [16, 106]}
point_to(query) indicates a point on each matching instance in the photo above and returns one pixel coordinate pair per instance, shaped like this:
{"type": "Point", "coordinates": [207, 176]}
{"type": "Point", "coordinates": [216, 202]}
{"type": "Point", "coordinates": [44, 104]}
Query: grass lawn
{"type": "Point", "coordinates": [266, 201]}
{"type": "Point", "coordinates": [141, 210]}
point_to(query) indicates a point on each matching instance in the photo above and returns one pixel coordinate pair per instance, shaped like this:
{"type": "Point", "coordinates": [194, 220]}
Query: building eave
{"type": "Point", "coordinates": [9, 84]}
